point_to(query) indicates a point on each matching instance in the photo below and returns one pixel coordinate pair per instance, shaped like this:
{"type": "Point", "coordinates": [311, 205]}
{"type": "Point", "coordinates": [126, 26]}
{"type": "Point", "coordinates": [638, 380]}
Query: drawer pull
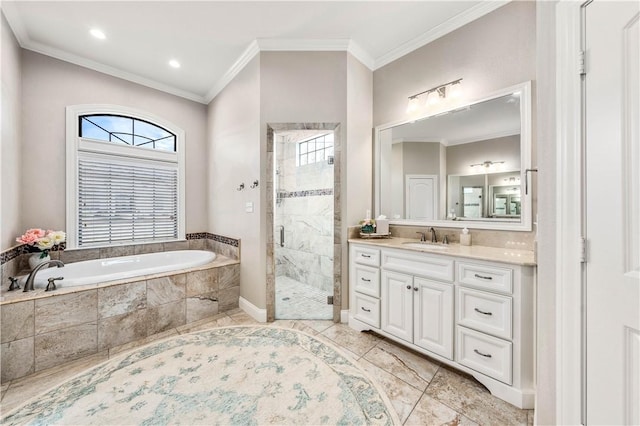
{"type": "Point", "coordinates": [482, 312]}
{"type": "Point", "coordinates": [365, 309]}
{"type": "Point", "coordinates": [481, 354]}
{"type": "Point", "coordinates": [482, 277]}
{"type": "Point", "coordinates": [365, 280]}
{"type": "Point", "coordinates": [368, 256]}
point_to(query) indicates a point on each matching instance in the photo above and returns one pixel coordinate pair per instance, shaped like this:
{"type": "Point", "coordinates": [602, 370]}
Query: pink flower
{"type": "Point", "coordinates": [37, 231]}
{"type": "Point", "coordinates": [28, 238]}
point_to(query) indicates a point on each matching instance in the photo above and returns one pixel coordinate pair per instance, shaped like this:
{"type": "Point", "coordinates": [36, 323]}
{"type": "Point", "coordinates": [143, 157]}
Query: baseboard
{"type": "Point", "coordinates": [344, 316]}
{"type": "Point", "coordinates": [252, 310]}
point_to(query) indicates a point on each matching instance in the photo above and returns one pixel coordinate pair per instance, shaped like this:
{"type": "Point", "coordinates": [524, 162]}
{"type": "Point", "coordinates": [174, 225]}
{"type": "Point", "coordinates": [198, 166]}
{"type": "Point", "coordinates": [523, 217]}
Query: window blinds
{"type": "Point", "coordinates": [126, 200]}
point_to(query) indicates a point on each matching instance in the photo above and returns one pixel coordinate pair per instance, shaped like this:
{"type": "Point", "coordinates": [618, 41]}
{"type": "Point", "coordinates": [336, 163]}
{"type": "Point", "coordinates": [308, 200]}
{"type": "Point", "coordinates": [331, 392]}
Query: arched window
{"type": "Point", "coordinates": [125, 177]}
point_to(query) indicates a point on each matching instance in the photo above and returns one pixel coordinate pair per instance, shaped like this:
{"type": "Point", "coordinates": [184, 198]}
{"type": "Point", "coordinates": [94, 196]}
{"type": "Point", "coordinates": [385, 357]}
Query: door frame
{"type": "Point", "coordinates": [570, 342]}
{"type": "Point", "coordinates": [273, 128]}
{"type": "Point", "coordinates": [436, 196]}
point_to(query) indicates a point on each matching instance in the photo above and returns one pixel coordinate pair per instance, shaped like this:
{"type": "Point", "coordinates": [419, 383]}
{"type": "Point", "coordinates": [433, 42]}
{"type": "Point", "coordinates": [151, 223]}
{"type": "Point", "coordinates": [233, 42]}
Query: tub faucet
{"type": "Point", "coordinates": [28, 285]}
{"type": "Point", "coordinates": [434, 237]}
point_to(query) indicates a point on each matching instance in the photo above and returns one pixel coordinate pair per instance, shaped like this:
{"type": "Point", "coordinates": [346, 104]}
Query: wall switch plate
{"type": "Point", "coordinates": [248, 207]}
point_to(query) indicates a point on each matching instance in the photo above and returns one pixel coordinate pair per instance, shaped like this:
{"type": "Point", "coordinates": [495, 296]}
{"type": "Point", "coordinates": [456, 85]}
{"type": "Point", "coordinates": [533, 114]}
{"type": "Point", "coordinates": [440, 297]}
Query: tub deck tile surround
{"type": "Point", "coordinates": [66, 311]}
{"type": "Point", "coordinates": [72, 323]}
{"type": "Point", "coordinates": [121, 299]}
{"type": "Point", "coordinates": [17, 321]}
{"type": "Point", "coordinates": [64, 345]}
{"type": "Point", "coordinates": [166, 289]}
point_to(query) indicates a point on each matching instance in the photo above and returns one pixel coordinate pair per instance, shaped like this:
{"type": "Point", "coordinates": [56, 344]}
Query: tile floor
{"type": "Point", "coordinates": [297, 300]}
{"type": "Point", "coordinates": [421, 391]}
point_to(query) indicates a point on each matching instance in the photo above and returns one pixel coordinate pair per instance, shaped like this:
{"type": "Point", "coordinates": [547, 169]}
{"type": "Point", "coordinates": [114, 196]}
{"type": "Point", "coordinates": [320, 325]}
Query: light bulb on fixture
{"type": "Point", "coordinates": [413, 104]}
{"type": "Point", "coordinates": [455, 91]}
{"type": "Point", "coordinates": [433, 98]}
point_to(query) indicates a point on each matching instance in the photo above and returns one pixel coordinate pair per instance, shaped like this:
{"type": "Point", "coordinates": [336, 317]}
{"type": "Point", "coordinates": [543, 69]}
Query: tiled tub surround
{"type": "Point", "coordinates": [14, 260]}
{"type": "Point", "coordinates": [40, 330]}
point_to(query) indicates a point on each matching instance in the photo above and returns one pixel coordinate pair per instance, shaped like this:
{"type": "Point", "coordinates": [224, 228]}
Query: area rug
{"type": "Point", "coordinates": [228, 376]}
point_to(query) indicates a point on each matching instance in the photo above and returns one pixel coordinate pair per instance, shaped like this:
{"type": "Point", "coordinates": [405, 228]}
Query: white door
{"type": "Point", "coordinates": [397, 305]}
{"type": "Point", "coordinates": [612, 213]}
{"type": "Point", "coordinates": [433, 313]}
{"type": "Point", "coordinates": [422, 197]}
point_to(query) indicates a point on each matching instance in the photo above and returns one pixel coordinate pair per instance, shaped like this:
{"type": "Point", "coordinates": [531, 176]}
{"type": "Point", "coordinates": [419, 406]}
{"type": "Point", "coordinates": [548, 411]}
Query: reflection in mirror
{"type": "Point", "coordinates": [464, 165]}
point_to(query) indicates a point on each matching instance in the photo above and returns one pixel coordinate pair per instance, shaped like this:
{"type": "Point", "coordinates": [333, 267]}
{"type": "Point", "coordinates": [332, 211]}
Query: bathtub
{"type": "Point", "coordinates": [118, 268]}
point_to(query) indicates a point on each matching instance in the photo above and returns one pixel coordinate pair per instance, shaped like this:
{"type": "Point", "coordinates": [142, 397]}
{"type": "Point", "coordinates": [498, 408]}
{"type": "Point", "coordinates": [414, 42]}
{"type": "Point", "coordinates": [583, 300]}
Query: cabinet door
{"type": "Point", "coordinates": [433, 314]}
{"type": "Point", "coordinates": [397, 304]}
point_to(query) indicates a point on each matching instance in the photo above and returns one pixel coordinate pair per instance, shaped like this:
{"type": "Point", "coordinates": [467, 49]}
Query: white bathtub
{"type": "Point", "coordinates": [117, 268]}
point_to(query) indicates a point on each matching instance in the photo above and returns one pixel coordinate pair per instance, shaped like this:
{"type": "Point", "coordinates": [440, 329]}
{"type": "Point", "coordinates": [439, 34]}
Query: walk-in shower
{"type": "Point", "coordinates": [303, 223]}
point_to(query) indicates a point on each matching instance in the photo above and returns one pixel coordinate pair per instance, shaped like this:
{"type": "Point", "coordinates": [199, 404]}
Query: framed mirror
{"type": "Point", "coordinates": [462, 166]}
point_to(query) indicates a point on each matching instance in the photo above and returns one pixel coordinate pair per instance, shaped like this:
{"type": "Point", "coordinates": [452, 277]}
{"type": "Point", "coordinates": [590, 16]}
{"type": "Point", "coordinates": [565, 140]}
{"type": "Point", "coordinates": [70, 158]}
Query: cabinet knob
{"type": "Point", "coordinates": [415, 289]}
{"type": "Point", "coordinates": [408, 287]}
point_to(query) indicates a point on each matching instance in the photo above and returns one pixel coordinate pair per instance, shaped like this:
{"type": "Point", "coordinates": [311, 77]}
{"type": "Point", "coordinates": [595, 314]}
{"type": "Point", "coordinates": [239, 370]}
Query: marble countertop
{"type": "Point", "coordinates": [494, 254]}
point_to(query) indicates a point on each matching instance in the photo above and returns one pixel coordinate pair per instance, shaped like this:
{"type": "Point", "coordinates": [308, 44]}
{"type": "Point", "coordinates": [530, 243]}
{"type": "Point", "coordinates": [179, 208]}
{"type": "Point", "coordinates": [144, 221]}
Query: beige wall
{"type": "Point", "coordinates": [493, 52]}
{"type": "Point", "coordinates": [49, 85]}
{"type": "Point", "coordinates": [357, 157]}
{"type": "Point", "coordinates": [234, 156]}
{"type": "Point", "coordinates": [11, 72]}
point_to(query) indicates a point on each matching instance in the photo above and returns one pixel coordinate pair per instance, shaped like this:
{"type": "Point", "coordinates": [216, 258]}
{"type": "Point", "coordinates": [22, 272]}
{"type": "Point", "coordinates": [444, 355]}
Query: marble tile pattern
{"type": "Point", "coordinates": [56, 328]}
{"type": "Point", "coordinates": [421, 391]}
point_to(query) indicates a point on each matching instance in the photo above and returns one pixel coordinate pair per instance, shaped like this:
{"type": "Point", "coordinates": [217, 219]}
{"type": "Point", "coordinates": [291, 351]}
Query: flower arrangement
{"type": "Point", "coordinates": [368, 226]}
{"type": "Point", "coordinates": [43, 241]}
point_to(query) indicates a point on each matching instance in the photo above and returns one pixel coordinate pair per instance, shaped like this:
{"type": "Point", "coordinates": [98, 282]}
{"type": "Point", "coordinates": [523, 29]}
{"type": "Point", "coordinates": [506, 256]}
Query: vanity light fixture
{"type": "Point", "coordinates": [435, 95]}
{"type": "Point", "coordinates": [487, 164]}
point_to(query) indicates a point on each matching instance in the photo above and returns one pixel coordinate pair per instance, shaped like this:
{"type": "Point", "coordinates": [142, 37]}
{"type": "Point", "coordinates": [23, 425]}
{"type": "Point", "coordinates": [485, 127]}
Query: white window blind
{"type": "Point", "coordinates": [126, 200]}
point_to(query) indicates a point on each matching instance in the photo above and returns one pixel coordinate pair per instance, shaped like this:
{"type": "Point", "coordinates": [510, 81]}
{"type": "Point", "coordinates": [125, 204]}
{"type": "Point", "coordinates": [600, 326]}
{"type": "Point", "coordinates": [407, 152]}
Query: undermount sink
{"type": "Point", "coordinates": [425, 245]}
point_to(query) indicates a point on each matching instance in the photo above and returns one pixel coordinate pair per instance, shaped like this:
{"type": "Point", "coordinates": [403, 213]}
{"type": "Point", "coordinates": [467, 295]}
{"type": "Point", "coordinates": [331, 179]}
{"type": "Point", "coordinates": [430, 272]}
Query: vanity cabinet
{"type": "Point", "coordinates": [475, 315]}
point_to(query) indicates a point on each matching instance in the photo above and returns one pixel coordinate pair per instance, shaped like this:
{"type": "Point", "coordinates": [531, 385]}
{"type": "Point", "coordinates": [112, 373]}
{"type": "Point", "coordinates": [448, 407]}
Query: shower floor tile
{"type": "Point", "coordinates": [296, 300]}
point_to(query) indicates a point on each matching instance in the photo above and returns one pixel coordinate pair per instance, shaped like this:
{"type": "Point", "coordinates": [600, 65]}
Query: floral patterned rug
{"type": "Point", "coordinates": [235, 375]}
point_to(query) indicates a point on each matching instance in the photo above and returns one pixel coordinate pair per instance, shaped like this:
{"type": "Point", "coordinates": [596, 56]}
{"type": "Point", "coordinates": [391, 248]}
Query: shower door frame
{"type": "Point", "coordinates": [272, 129]}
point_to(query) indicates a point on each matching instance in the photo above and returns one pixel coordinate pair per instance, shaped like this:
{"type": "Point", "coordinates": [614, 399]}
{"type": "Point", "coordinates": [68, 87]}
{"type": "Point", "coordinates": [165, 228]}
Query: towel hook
{"type": "Point", "coordinates": [255, 184]}
{"type": "Point", "coordinates": [241, 187]}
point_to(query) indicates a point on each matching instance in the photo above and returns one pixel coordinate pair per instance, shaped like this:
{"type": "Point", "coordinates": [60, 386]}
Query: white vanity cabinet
{"type": "Point", "coordinates": [475, 315]}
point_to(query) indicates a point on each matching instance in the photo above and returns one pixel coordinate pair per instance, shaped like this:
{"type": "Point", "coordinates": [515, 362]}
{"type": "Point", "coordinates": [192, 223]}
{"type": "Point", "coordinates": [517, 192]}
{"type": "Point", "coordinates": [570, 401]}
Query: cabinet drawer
{"type": "Point", "coordinates": [485, 354]}
{"type": "Point", "coordinates": [435, 267]}
{"type": "Point", "coordinates": [367, 309]}
{"type": "Point", "coordinates": [486, 277]}
{"type": "Point", "coordinates": [366, 256]}
{"type": "Point", "coordinates": [486, 312]}
{"type": "Point", "coordinates": [367, 280]}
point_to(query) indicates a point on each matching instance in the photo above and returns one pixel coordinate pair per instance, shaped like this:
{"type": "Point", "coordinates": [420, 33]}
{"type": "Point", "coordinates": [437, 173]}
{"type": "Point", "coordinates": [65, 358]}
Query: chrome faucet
{"type": "Point", "coordinates": [28, 285]}
{"type": "Point", "coordinates": [423, 236]}
{"type": "Point", "coordinates": [434, 237]}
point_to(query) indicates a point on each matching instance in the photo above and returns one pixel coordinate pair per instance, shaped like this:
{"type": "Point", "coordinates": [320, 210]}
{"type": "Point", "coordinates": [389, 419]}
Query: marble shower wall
{"type": "Point", "coordinates": [304, 206]}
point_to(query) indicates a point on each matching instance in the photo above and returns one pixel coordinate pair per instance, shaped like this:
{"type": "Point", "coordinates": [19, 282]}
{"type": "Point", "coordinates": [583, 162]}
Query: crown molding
{"type": "Point", "coordinates": [452, 24]}
{"type": "Point", "coordinates": [232, 72]}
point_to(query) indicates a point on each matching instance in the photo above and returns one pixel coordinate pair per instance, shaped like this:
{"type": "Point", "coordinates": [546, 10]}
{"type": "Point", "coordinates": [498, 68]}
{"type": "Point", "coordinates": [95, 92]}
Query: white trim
{"type": "Point", "coordinates": [73, 145]}
{"type": "Point", "coordinates": [568, 215]}
{"type": "Point", "coordinates": [302, 45]}
{"type": "Point", "coordinates": [344, 316]}
{"type": "Point", "coordinates": [360, 54]}
{"type": "Point", "coordinates": [252, 310]}
{"type": "Point", "coordinates": [445, 28]}
{"type": "Point", "coordinates": [252, 50]}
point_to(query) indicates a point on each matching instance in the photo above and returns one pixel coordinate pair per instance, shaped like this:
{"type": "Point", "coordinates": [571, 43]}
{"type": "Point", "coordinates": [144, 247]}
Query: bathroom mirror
{"type": "Point", "coordinates": [460, 166]}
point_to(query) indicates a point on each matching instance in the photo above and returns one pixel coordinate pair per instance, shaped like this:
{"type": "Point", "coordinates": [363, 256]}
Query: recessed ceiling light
{"type": "Point", "coordinates": [97, 34]}
{"type": "Point", "coordinates": [174, 63]}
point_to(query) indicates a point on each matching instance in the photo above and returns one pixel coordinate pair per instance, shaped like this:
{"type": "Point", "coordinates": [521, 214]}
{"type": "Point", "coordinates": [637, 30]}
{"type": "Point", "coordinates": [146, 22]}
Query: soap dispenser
{"type": "Point", "coordinates": [465, 237]}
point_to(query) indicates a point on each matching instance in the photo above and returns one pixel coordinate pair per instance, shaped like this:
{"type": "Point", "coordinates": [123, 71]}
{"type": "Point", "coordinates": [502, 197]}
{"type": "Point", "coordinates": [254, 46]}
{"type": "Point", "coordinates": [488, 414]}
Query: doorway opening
{"type": "Point", "coordinates": [301, 217]}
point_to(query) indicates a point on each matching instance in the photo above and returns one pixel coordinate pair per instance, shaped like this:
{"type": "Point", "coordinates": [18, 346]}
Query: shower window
{"type": "Point", "coordinates": [125, 177]}
{"type": "Point", "coordinates": [315, 150]}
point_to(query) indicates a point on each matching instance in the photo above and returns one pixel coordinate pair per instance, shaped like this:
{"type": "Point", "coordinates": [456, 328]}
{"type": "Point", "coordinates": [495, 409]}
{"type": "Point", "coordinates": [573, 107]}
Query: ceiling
{"type": "Point", "coordinates": [213, 40]}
